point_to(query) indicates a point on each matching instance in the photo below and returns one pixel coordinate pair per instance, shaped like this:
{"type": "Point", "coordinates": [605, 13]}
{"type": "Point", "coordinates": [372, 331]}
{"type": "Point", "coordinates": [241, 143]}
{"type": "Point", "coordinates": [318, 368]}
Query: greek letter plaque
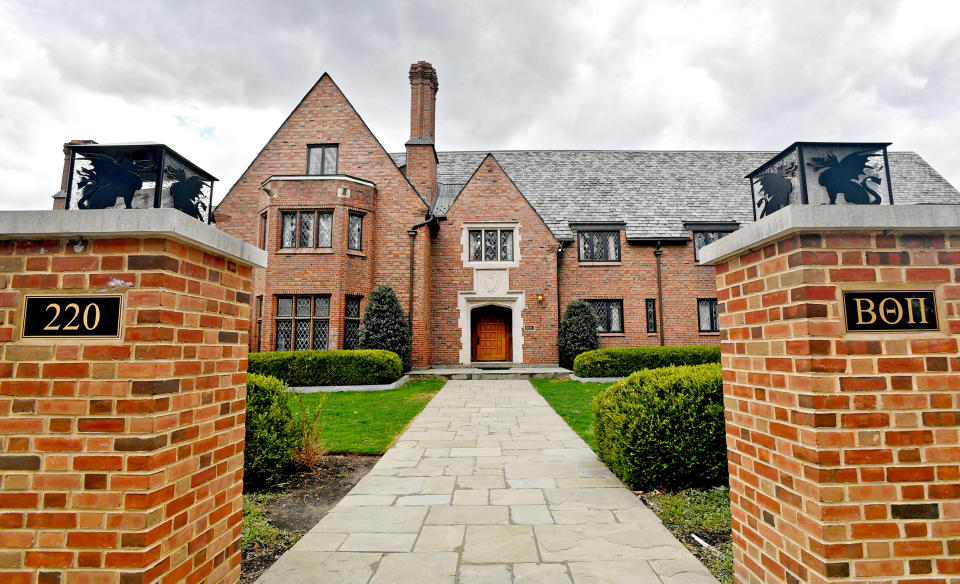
{"type": "Point", "coordinates": [78, 317]}
{"type": "Point", "coordinates": [890, 311]}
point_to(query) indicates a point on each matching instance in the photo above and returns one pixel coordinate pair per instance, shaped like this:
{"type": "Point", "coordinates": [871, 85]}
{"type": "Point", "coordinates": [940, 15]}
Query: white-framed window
{"type": "Point", "coordinates": [491, 245]}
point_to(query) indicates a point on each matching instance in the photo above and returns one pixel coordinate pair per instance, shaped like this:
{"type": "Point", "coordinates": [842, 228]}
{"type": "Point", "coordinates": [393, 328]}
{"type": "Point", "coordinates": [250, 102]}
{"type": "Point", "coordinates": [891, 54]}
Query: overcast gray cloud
{"type": "Point", "coordinates": [215, 79]}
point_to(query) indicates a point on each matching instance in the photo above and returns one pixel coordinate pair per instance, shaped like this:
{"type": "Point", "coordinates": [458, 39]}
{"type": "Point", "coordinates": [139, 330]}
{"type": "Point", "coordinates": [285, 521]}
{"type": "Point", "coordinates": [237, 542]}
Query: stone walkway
{"type": "Point", "coordinates": [488, 485]}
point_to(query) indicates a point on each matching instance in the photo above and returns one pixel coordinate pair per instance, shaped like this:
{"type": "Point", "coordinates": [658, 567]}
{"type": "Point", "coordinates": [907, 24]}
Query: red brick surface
{"type": "Point", "coordinates": [844, 447]}
{"type": "Point", "coordinates": [393, 206]}
{"type": "Point", "coordinates": [122, 461]}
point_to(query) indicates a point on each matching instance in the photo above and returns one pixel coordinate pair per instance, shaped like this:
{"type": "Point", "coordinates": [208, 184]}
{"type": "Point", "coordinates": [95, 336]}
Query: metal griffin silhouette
{"type": "Point", "coordinates": [107, 179]}
{"type": "Point", "coordinates": [818, 173]}
{"type": "Point", "coordinates": [186, 192]}
{"type": "Point", "coordinates": [140, 175]}
{"type": "Point", "coordinates": [775, 188]}
{"type": "Point", "coordinates": [843, 176]}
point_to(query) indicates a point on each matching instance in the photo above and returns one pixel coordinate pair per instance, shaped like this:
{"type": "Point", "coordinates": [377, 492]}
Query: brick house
{"type": "Point", "coordinates": [484, 249]}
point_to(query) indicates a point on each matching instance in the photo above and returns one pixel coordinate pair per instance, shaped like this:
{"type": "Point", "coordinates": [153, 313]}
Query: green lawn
{"type": "Point", "coordinates": [367, 422]}
{"type": "Point", "coordinates": [572, 400]}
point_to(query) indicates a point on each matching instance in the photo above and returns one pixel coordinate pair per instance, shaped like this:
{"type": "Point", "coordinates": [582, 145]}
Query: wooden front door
{"type": "Point", "coordinates": [491, 334]}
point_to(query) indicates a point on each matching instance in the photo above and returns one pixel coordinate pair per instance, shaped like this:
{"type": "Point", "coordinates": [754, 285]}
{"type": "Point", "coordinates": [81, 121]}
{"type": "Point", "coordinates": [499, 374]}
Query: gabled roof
{"type": "Point", "coordinates": [653, 192]}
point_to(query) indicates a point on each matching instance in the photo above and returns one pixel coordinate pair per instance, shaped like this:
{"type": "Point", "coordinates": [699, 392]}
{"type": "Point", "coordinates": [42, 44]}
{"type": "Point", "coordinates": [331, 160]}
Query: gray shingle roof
{"type": "Point", "coordinates": [653, 192]}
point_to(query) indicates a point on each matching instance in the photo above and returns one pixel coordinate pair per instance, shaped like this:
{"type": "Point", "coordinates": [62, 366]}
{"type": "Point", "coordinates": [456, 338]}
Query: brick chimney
{"type": "Point", "coordinates": [421, 152]}
{"type": "Point", "coordinates": [60, 197]}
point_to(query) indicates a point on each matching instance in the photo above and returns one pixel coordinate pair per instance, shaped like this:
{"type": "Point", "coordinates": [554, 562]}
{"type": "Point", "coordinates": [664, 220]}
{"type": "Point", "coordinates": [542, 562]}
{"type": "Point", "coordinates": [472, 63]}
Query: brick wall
{"type": "Point", "coordinates": [844, 448]}
{"type": "Point", "coordinates": [491, 196]}
{"type": "Point", "coordinates": [335, 271]}
{"type": "Point", "coordinates": [121, 461]}
{"type": "Point", "coordinates": [633, 280]}
{"type": "Point", "coordinates": [325, 115]}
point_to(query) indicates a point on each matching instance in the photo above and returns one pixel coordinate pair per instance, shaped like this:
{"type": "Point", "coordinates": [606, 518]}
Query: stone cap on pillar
{"type": "Point", "coordinates": [90, 223]}
{"type": "Point", "coordinates": [831, 219]}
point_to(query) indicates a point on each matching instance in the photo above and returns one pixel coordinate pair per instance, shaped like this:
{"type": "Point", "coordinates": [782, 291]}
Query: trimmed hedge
{"type": "Point", "coordinates": [297, 368]}
{"type": "Point", "coordinates": [622, 361]}
{"type": "Point", "coordinates": [271, 434]}
{"type": "Point", "coordinates": [664, 428]}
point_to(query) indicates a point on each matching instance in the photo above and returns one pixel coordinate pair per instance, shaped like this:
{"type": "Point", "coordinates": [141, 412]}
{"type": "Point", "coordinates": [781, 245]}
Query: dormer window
{"type": "Point", "coordinates": [599, 246]}
{"type": "Point", "coordinates": [706, 233]}
{"type": "Point", "coordinates": [322, 158]}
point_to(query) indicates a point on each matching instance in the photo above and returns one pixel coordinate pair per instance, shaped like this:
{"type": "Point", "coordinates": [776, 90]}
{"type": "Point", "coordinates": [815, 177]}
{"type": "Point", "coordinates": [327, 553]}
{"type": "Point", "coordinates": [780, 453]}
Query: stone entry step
{"type": "Point", "coordinates": [490, 372]}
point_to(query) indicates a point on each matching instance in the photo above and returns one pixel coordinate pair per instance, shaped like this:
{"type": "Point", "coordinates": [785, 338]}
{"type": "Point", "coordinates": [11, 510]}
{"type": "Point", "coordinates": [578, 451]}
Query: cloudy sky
{"type": "Point", "coordinates": [215, 79]}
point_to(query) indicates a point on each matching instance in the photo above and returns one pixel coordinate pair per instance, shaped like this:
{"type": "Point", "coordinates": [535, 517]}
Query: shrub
{"type": "Point", "coordinates": [578, 331]}
{"type": "Point", "coordinates": [622, 361]}
{"type": "Point", "coordinates": [270, 430]}
{"type": "Point", "coordinates": [664, 428]}
{"type": "Point", "coordinates": [385, 326]}
{"type": "Point", "coordinates": [297, 368]}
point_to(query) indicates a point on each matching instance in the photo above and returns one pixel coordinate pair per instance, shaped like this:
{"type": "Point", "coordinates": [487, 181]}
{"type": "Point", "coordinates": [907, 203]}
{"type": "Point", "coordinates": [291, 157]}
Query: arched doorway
{"type": "Point", "coordinates": [490, 334]}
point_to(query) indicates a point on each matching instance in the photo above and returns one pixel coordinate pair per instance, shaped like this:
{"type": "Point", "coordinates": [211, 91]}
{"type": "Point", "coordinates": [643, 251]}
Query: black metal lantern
{"type": "Point", "coordinates": [137, 176]}
{"type": "Point", "coordinates": [823, 173]}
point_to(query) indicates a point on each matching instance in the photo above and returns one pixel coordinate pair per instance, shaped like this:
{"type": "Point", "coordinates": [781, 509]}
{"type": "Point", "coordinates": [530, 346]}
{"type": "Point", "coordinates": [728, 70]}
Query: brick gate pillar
{"type": "Point", "coordinates": [844, 447]}
{"type": "Point", "coordinates": [121, 458]}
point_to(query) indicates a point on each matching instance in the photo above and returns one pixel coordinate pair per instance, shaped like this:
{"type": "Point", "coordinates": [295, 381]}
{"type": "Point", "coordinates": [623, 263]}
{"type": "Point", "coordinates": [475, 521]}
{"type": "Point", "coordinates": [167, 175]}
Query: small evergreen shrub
{"type": "Point", "coordinates": [385, 326]}
{"type": "Point", "coordinates": [298, 368]}
{"type": "Point", "coordinates": [664, 428]}
{"type": "Point", "coordinates": [622, 361]}
{"type": "Point", "coordinates": [578, 331]}
{"type": "Point", "coordinates": [271, 435]}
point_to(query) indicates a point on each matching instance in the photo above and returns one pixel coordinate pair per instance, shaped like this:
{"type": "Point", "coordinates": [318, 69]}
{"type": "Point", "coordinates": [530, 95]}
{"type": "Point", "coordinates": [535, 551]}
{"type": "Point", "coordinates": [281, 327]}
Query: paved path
{"type": "Point", "coordinates": [488, 485]}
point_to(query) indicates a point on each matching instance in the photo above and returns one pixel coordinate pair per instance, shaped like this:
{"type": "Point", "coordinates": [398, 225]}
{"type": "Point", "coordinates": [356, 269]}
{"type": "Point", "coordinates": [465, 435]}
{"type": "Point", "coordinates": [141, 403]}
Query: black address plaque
{"type": "Point", "coordinates": [91, 317]}
{"type": "Point", "coordinates": [890, 310]}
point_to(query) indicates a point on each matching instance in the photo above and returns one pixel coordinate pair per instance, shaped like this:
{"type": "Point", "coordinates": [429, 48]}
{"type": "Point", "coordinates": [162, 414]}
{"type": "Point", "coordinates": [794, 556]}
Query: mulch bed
{"type": "Point", "coordinates": [302, 500]}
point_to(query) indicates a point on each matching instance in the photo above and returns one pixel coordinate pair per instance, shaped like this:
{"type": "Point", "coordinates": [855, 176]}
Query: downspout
{"type": "Point", "coordinates": [412, 232]}
{"type": "Point", "coordinates": [559, 263]}
{"type": "Point", "coordinates": [659, 252]}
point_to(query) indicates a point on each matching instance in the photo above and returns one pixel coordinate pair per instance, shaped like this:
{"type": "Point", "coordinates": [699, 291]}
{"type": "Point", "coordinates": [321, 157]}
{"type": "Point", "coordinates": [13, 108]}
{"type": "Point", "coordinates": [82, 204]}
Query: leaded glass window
{"type": "Point", "coordinates": [599, 246]}
{"type": "Point", "coordinates": [351, 322]}
{"type": "Point", "coordinates": [288, 226]}
{"type": "Point", "coordinates": [651, 315]}
{"type": "Point", "coordinates": [702, 238]}
{"type": "Point", "coordinates": [490, 245]}
{"type": "Point", "coordinates": [322, 159]}
{"type": "Point", "coordinates": [355, 234]}
{"type": "Point", "coordinates": [303, 322]}
{"type": "Point", "coordinates": [506, 245]}
{"type": "Point", "coordinates": [324, 229]}
{"type": "Point", "coordinates": [476, 246]}
{"type": "Point", "coordinates": [609, 315]}
{"type": "Point", "coordinates": [306, 229]}
{"type": "Point", "coordinates": [707, 315]}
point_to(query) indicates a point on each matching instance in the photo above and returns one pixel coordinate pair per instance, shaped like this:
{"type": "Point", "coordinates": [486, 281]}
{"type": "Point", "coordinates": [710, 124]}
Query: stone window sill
{"type": "Point", "coordinates": [356, 253]}
{"type": "Point", "coordinates": [598, 264]}
{"type": "Point", "coordinates": [710, 333]}
{"type": "Point", "coordinates": [612, 334]}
